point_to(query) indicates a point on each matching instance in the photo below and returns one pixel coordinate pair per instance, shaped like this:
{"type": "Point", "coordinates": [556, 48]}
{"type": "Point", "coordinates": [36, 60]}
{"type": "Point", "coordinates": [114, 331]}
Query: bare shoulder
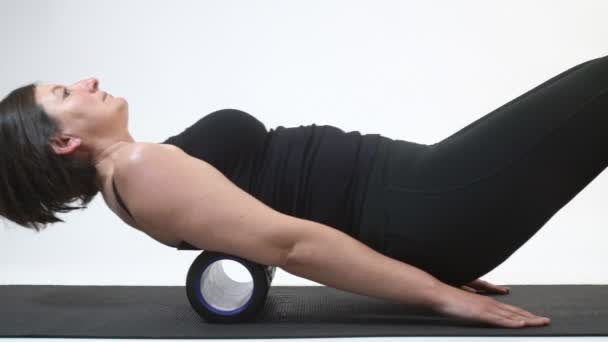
{"type": "Point", "coordinates": [136, 151]}
{"type": "Point", "coordinates": [137, 167]}
{"type": "Point", "coordinates": [170, 192]}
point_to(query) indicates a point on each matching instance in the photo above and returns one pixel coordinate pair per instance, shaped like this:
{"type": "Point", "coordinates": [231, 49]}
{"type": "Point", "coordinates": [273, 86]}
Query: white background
{"type": "Point", "coordinates": [411, 70]}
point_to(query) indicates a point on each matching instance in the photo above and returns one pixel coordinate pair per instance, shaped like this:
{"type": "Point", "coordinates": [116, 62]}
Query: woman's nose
{"type": "Point", "coordinates": [89, 84]}
{"type": "Point", "coordinates": [92, 83]}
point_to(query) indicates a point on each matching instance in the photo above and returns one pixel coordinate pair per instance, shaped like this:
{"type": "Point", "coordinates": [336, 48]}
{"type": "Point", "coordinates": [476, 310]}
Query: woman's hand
{"type": "Point", "coordinates": [454, 302]}
{"type": "Point", "coordinates": [483, 286]}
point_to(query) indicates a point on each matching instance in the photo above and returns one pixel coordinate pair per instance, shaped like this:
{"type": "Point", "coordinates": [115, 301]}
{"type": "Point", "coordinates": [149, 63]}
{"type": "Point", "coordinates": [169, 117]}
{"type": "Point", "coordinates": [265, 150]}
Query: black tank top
{"type": "Point", "coordinates": [318, 173]}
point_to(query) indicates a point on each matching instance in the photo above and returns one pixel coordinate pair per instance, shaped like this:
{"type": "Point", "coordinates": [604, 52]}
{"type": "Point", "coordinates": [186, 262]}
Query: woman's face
{"type": "Point", "coordinates": [82, 110]}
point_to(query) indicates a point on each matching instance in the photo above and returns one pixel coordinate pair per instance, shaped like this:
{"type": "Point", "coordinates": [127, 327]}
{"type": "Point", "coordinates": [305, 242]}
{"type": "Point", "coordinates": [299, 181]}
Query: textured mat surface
{"type": "Point", "coordinates": [307, 311]}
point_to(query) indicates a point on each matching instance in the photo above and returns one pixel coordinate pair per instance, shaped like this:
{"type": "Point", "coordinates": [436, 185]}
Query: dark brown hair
{"type": "Point", "coordinates": [36, 182]}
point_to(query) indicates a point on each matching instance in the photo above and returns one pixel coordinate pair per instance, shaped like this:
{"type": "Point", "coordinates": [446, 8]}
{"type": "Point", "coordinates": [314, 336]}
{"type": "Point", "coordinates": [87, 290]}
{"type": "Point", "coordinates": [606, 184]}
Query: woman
{"type": "Point", "coordinates": [455, 209]}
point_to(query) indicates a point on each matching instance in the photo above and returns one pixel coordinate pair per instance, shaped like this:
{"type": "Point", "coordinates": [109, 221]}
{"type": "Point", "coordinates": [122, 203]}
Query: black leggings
{"type": "Point", "coordinates": [459, 208]}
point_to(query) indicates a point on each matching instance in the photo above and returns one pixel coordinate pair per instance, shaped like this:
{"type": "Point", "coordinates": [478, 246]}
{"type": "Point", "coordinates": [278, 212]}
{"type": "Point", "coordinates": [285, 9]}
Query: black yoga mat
{"type": "Point", "coordinates": [289, 311]}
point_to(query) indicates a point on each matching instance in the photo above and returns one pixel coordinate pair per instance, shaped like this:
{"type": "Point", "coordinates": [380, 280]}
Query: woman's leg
{"type": "Point", "coordinates": [462, 206]}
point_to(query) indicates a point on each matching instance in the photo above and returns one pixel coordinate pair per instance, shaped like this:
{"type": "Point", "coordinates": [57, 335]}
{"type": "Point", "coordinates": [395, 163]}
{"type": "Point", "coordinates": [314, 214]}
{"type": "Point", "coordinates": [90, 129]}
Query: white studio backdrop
{"type": "Point", "coordinates": [411, 70]}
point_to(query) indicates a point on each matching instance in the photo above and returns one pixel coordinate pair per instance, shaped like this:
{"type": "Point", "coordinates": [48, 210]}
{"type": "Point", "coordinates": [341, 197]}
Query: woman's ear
{"type": "Point", "coordinates": [65, 145]}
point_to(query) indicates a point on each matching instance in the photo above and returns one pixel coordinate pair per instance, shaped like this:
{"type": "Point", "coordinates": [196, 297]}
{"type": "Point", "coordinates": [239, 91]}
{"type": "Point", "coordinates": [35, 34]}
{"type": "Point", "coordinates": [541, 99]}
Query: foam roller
{"type": "Point", "coordinates": [216, 297]}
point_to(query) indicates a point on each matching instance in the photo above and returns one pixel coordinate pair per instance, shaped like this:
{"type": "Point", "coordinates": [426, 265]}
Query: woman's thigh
{"type": "Point", "coordinates": [501, 137]}
{"type": "Point", "coordinates": [460, 207]}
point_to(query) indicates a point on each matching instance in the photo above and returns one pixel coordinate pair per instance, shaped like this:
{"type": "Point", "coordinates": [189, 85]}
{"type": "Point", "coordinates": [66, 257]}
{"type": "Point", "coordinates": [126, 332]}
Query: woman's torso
{"type": "Point", "coordinates": [312, 172]}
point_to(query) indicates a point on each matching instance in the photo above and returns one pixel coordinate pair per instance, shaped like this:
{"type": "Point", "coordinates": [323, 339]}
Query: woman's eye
{"type": "Point", "coordinates": [66, 93]}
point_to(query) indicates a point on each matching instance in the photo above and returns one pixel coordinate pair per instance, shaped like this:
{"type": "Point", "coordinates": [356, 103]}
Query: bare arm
{"type": "Point", "coordinates": [333, 258]}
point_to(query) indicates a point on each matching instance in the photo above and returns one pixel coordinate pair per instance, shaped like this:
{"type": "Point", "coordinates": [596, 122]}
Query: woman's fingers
{"type": "Point", "coordinates": [470, 289]}
{"type": "Point", "coordinates": [520, 311]}
{"type": "Point", "coordinates": [455, 302]}
{"type": "Point", "coordinates": [510, 318]}
{"type": "Point", "coordinates": [489, 287]}
{"type": "Point", "coordinates": [509, 322]}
